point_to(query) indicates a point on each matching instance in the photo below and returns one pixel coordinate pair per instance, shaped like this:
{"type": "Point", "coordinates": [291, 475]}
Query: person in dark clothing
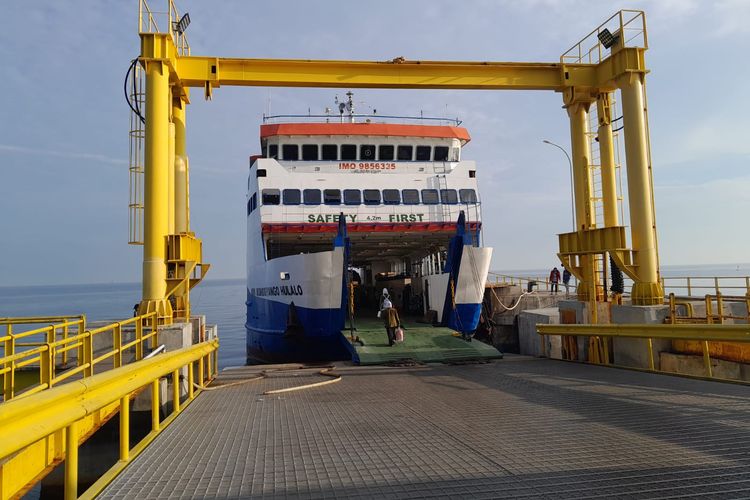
{"type": "Point", "coordinates": [566, 280]}
{"type": "Point", "coordinates": [554, 279]}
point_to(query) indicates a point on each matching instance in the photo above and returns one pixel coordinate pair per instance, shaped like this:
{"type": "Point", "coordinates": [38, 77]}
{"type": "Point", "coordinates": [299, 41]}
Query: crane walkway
{"type": "Point", "coordinates": [519, 427]}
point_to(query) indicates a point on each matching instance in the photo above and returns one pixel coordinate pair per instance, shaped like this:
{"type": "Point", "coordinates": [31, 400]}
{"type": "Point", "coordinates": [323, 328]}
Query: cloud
{"type": "Point", "coordinates": [63, 154]}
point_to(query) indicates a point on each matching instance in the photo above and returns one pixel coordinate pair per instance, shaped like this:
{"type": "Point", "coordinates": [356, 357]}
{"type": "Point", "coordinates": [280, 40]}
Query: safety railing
{"type": "Point", "coordinates": [539, 283]}
{"type": "Point", "coordinates": [699, 286]}
{"type": "Point", "coordinates": [65, 348]}
{"type": "Point", "coordinates": [41, 430]}
{"type": "Point", "coordinates": [149, 21]}
{"type": "Point", "coordinates": [714, 309]}
{"type": "Point", "coordinates": [703, 333]}
{"type": "Point", "coordinates": [629, 26]}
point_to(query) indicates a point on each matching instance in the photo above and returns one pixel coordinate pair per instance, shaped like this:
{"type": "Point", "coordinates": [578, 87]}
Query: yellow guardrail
{"type": "Point", "coordinates": [704, 333]}
{"type": "Point", "coordinates": [65, 339]}
{"type": "Point", "coordinates": [700, 285]}
{"type": "Point", "coordinates": [39, 431]}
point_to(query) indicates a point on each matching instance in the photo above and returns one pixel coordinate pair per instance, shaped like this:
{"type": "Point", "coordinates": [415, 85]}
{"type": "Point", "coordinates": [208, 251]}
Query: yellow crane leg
{"type": "Point", "coordinates": [578, 113]}
{"type": "Point", "coordinates": [607, 159]}
{"type": "Point", "coordinates": [179, 203]}
{"type": "Point", "coordinates": [156, 175]}
{"type": "Point", "coordinates": [171, 181]}
{"type": "Point", "coordinates": [647, 289]}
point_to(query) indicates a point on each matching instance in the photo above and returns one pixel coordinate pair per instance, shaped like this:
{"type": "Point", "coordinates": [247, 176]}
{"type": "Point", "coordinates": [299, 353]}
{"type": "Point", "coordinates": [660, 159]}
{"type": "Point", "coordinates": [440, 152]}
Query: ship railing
{"type": "Point", "coordinates": [41, 430]}
{"type": "Point", "coordinates": [36, 359]}
{"type": "Point", "coordinates": [331, 118]}
{"type": "Point", "coordinates": [628, 26]}
{"type": "Point", "coordinates": [699, 286]}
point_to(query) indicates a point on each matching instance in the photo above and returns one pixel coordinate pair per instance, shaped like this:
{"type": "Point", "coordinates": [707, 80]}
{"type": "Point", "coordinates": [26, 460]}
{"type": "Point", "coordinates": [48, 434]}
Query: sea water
{"type": "Point", "coordinates": [221, 301]}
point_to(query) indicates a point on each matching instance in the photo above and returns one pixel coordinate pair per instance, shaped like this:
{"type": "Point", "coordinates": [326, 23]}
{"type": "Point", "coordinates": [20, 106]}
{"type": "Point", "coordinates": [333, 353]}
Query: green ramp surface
{"type": "Point", "coordinates": [422, 342]}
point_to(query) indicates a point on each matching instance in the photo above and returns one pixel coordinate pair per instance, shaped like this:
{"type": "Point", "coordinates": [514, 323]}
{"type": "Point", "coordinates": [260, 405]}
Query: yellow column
{"type": "Point", "coordinates": [171, 181]}
{"type": "Point", "coordinates": [607, 159]}
{"type": "Point", "coordinates": [181, 220]}
{"type": "Point", "coordinates": [180, 201]}
{"type": "Point", "coordinates": [647, 289]}
{"type": "Point", "coordinates": [578, 113]}
{"type": "Point", "coordinates": [156, 175]}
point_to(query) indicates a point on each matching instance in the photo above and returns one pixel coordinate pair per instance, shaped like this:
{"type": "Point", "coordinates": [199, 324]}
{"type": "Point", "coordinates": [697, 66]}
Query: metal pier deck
{"type": "Point", "coordinates": [520, 427]}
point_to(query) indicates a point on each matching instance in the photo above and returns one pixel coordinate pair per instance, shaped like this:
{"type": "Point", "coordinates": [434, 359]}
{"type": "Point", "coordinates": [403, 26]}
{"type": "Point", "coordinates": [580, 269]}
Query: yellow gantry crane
{"type": "Point", "coordinates": [610, 58]}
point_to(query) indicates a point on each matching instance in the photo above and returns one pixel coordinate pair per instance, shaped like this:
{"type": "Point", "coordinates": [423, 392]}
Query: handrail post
{"type": "Point", "coordinates": [689, 289]}
{"type": "Point", "coordinates": [176, 391]}
{"type": "Point", "coordinates": [64, 358]}
{"type": "Point", "coordinates": [720, 308]}
{"type": "Point", "coordinates": [125, 428]}
{"type": "Point", "coordinates": [191, 391]}
{"type": "Point", "coordinates": [709, 310]}
{"type": "Point", "coordinates": [155, 423]}
{"type": "Point", "coordinates": [117, 344]}
{"type": "Point", "coordinates": [716, 284]}
{"type": "Point", "coordinates": [9, 377]}
{"type": "Point", "coordinates": [139, 339]}
{"type": "Point", "coordinates": [201, 379]}
{"type": "Point", "coordinates": [71, 461]}
{"type": "Point", "coordinates": [651, 364]}
{"type": "Point", "coordinates": [47, 366]}
{"type": "Point", "coordinates": [88, 354]}
{"type": "Point", "coordinates": [154, 330]}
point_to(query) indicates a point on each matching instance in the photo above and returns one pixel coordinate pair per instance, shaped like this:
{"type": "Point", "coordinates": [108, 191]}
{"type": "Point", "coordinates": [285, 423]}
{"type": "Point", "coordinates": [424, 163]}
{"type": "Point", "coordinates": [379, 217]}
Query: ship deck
{"type": "Point", "coordinates": [422, 343]}
{"type": "Point", "coordinates": [518, 427]}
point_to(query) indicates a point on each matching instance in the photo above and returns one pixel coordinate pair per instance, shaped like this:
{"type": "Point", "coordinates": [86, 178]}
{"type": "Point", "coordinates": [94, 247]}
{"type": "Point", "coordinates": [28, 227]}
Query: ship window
{"type": "Point", "coordinates": [332, 196]}
{"type": "Point", "coordinates": [467, 195]}
{"type": "Point", "coordinates": [273, 151]}
{"type": "Point", "coordinates": [291, 197]}
{"type": "Point", "coordinates": [410, 196]}
{"type": "Point", "coordinates": [441, 153]}
{"type": "Point", "coordinates": [455, 154]}
{"type": "Point", "coordinates": [472, 173]}
{"type": "Point", "coordinates": [330, 152]}
{"type": "Point", "coordinates": [404, 153]}
{"type": "Point", "coordinates": [423, 153]}
{"type": "Point", "coordinates": [311, 196]}
{"type": "Point", "coordinates": [367, 152]}
{"type": "Point", "coordinates": [310, 152]}
{"type": "Point", "coordinates": [271, 197]}
{"type": "Point", "coordinates": [352, 197]}
{"type": "Point", "coordinates": [252, 203]}
{"type": "Point", "coordinates": [264, 150]}
{"type": "Point", "coordinates": [348, 152]}
{"type": "Point", "coordinates": [290, 151]}
{"type": "Point", "coordinates": [385, 152]}
{"type": "Point", "coordinates": [391, 197]}
{"type": "Point", "coordinates": [372, 196]}
{"type": "Point", "coordinates": [448, 196]}
{"type": "Point", "coordinates": [430, 197]}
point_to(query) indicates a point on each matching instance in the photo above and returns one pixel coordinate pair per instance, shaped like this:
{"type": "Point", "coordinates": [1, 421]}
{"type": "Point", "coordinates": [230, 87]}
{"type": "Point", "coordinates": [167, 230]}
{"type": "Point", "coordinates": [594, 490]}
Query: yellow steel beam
{"type": "Point", "coordinates": [32, 436]}
{"type": "Point", "coordinates": [713, 333]}
{"type": "Point", "coordinates": [194, 71]}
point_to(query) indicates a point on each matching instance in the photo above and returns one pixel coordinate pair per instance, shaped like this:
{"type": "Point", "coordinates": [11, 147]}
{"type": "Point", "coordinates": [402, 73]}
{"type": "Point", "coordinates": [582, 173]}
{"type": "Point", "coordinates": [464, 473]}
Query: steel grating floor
{"type": "Point", "coordinates": [520, 427]}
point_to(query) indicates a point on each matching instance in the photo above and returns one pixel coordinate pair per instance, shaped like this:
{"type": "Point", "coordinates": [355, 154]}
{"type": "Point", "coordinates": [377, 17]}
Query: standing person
{"type": "Point", "coordinates": [391, 321]}
{"type": "Point", "coordinates": [566, 279]}
{"type": "Point", "coordinates": [383, 298]}
{"type": "Point", "coordinates": [554, 279]}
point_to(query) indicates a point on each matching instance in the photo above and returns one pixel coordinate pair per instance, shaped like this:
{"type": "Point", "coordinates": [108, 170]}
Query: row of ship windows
{"type": "Point", "coordinates": [365, 196]}
{"type": "Point", "coordinates": [367, 152]}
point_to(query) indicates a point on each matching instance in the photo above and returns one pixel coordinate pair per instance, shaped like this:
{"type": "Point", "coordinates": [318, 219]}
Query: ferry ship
{"type": "Point", "coordinates": [342, 207]}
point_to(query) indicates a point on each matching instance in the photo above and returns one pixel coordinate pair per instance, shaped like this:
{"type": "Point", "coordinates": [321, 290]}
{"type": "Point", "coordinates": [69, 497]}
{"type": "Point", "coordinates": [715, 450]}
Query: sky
{"type": "Point", "coordinates": [64, 121]}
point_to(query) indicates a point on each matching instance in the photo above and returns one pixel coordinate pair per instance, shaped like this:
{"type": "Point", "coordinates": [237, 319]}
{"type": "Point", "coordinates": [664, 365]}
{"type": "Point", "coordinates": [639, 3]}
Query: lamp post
{"type": "Point", "coordinates": [570, 163]}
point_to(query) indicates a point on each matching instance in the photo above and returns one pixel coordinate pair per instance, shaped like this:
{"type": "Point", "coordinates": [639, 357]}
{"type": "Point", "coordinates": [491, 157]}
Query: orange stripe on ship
{"type": "Point", "coordinates": [373, 129]}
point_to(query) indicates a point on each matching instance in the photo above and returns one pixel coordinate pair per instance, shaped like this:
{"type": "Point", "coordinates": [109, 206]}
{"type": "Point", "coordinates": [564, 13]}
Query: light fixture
{"type": "Point", "coordinates": [606, 38]}
{"type": "Point", "coordinates": [181, 25]}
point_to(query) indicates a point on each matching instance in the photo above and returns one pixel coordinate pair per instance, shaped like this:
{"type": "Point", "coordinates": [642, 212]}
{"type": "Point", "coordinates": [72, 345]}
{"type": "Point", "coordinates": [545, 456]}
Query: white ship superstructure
{"type": "Point", "coordinates": [337, 211]}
